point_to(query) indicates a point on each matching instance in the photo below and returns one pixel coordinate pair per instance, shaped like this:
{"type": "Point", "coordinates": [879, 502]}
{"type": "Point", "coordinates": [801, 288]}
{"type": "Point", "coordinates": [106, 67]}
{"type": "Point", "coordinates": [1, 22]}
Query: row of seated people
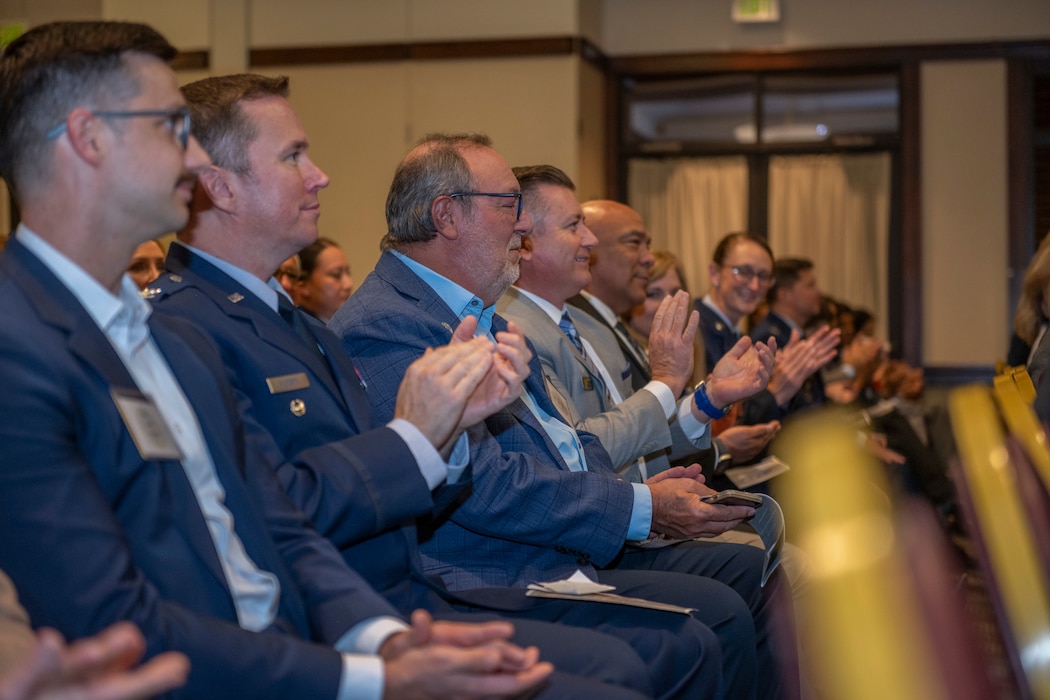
{"type": "Point", "coordinates": [212, 466]}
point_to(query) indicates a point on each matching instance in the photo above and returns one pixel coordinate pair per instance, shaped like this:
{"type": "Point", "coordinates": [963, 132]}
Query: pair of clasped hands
{"type": "Point", "coordinates": [430, 660]}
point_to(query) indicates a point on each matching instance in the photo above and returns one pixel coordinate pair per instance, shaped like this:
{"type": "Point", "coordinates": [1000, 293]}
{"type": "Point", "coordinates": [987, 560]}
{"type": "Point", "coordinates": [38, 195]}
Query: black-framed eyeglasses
{"type": "Point", "coordinates": [746, 273]}
{"type": "Point", "coordinates": [516, 195]}
{"type": "Point", "coordinates": [178, 121]}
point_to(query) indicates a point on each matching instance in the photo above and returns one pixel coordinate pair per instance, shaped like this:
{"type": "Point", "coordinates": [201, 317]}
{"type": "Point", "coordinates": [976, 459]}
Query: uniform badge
{"type": "Point", "coordinates": [287, 382]}
{"type": "Point", "coordinates": [236, 297]}
{"type": "Point", "coordinates": [298, 407]}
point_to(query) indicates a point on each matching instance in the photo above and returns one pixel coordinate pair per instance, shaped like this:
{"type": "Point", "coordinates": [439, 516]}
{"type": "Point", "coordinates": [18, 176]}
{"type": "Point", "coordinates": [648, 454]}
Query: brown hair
{"type": "Point", "coordinates": [55, 68]}
{"type": "Point", "coordinates": [1029, 315]}
{"type": "Point", "coordinates": [218, 121]}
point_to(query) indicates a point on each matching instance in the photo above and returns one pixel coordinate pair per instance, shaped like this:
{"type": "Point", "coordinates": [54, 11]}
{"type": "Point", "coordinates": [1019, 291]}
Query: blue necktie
{"type": "Point", "coordinates": [569, 327]}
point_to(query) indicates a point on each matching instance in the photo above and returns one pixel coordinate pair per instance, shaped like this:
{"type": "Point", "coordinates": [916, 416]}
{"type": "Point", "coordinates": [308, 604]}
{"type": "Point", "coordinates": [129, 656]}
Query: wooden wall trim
{"type": "Point", "coordinates": [802, 59]}
{"type": "Point", "coordinates": [191, 60]}
{"type": "Point", "coordinates": [428, 51]}
{"type": "Point", "coordinates": [638, 65]}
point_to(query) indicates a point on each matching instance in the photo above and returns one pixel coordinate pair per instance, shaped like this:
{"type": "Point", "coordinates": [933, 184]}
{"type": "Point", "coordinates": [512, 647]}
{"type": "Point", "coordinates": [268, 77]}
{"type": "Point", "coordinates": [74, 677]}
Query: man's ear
{"type": "Point", "coordinates": [443, 212]}
{"type": "Point", "coordinates": [712, 274]}
{"type": "Point", "coordinates": [84, 132]}
{"type": "Point", "coordinates": [215, 183]}
{"type": "Point", "coordinates": [525, 252]}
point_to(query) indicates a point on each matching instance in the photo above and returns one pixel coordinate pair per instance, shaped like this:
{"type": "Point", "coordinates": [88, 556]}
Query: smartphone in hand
{"type": "Point", "coordinates": [732, 497]}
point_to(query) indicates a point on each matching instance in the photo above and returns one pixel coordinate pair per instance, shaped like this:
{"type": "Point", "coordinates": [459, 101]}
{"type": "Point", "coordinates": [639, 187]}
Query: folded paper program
{"type": "Point", "coordinates": [579, 587]}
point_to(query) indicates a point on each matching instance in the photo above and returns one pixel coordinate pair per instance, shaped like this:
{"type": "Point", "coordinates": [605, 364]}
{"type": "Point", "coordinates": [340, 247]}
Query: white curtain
{"type": "Point", "coordinates": [835, 211]}
{"type": "Point", "coordinates": [689, 204]}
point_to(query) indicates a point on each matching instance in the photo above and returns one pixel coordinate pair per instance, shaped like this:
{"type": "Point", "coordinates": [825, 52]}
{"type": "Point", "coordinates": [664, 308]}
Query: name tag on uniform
{"type": "Point", "coordinates": [287, 382]}
{"type": "Point", "coordinates": [148, 430]}
{"type": "Point", "coordinates": [588, 384]}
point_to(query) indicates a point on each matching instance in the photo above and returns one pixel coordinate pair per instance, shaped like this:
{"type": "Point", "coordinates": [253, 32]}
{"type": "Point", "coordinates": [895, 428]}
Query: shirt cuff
{"type": "Point", "coordinates": [459, 459]}
{"type": "Point", "coordinates": [362, 677]}
{"type": "Point", "coordinates": [428, 459]}
{"type": "Point", "coordinates": [367, 637]}
{"type": "Point", "coordinates": [687, 421]}
{"type": "Point", "coordinates": [641, 514]}
{"type": "Point", "coordinates": [664, 395]}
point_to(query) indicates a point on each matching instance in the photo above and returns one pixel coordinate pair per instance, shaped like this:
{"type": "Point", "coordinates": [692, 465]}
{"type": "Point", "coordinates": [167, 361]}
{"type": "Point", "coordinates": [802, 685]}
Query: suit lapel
{"type": "Point", "coordinates": [552, 335]}
{"type": "Point", "coordinates": [538, 391]}
{"type": "Point", "coordinates": [396, 274]}
{"type": "Point", "coordinates": [207, 405]}
{"type": "Point", "coordinates": [351, 387]}
{"type": "Point", "coordinates": [640, 375]}
{"type": "Point", "coordinates": [242, 306]}
{"type": "Point", "coordinates": [409, 285]}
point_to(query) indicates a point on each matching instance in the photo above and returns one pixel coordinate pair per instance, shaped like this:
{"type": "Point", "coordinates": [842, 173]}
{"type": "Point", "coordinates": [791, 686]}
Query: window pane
{"type": "Point", "coordinates": [692, 111]}
{"type": "Point", "coordinates": [818, 108]}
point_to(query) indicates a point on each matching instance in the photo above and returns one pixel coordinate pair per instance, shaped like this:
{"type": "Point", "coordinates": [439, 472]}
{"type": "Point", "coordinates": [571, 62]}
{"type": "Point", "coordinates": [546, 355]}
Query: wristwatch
{"type": "Point", "coordinates": [723, 459]}
{"type": "Point", "coordinates": [705, 405]}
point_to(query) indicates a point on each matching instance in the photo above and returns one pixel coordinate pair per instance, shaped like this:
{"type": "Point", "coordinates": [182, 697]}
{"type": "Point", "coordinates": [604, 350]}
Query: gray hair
{"type": "Point", "coordinates": [435, 166]}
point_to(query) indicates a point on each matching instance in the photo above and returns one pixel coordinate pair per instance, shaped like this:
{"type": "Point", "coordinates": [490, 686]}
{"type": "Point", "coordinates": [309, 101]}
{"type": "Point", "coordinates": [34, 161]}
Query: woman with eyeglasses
{"type": "Point", "coordinates": [740, 274]}
{"type": "Point", "coordinates": [324, 279]}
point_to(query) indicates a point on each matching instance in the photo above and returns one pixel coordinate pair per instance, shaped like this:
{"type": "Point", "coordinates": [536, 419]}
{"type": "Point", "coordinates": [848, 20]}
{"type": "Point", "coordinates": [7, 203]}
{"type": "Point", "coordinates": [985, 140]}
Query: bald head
{"type": "Point", "coordinates": [620, 262]}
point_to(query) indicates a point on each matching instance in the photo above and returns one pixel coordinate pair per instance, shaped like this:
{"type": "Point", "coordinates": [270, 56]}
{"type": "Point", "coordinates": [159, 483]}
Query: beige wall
{"type": "Point", "coordinates": [35, 12]}
{"type": "Point", "coordinates": [283, 23]}
{"type": "Point", "coordinates": [679, 26]}
{"type": "Point", "coordinates": [964, 217]}
{"type": "Point", "coordinates": [359, 141]}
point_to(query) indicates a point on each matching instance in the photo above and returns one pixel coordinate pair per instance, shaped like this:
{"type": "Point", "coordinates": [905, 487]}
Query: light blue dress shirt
{"type": "Point", "coordinates": [464, 304]}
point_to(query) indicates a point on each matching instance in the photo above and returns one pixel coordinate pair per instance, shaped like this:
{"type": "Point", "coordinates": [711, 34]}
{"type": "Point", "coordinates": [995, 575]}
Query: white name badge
{"type": "Point", "coordinates": [148, 430]}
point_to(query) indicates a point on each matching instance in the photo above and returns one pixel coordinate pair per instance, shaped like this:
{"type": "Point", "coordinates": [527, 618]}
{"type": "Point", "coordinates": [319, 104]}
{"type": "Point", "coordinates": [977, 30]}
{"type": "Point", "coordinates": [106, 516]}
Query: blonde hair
{"type": "Point", "coordinates": [664, 262]}
{"type": "Point", "coordinates": [1029, 316]}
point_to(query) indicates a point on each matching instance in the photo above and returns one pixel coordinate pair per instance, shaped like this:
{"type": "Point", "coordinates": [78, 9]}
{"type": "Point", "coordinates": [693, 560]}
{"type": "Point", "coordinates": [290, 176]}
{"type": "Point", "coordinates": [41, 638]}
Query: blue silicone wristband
{"type": "Point", "coordinates": [705, 405]}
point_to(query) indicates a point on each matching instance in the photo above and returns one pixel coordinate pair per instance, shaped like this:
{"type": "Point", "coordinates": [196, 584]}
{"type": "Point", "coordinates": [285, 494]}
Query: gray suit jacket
{"type": "Point", "coordinates": [634, 428]}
